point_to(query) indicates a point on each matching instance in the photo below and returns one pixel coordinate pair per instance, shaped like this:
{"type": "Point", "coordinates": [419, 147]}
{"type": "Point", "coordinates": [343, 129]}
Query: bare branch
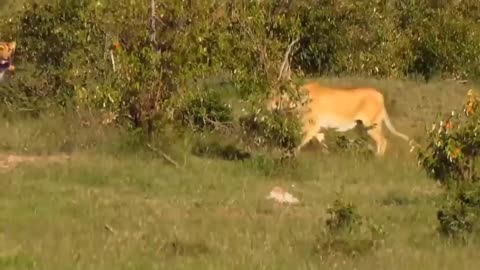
{"type": "Point", "coordinates": [153, 19]}
{"type": "Point", "coordinates": [285, 67]}
{"type": "Point", "coordinates": [110, 229]}
{"type": "Point", "coordinates": [164, 155]}
{"type": "Point", "coordinates": [112, 58]}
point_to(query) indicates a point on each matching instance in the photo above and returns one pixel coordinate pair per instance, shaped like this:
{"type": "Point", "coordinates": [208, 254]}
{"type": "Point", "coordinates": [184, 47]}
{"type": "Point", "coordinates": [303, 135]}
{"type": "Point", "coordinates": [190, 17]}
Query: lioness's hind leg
{"type": "Point", "coordinates": [377, 135]}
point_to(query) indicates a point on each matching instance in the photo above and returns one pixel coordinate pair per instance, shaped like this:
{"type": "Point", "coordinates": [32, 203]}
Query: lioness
{"type": "Point", "coordinates": [7, 49]}
{"type": "Point", "coordinates": [341, 109]}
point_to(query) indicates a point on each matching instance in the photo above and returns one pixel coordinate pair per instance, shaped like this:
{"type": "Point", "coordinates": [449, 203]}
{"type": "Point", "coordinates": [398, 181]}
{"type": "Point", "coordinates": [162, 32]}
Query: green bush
{"type": "Point", "coordinates": [343, 217]}
{"type": "Point", "coordinates": [25, 92]}
{"type": "Point", "coordinates": [394, 38]}
{"type": "Point", "coordinates": [271, 129]}
{"type": "Point", "coordinates": [47, 36]}
{"type": "Point", "coordinates": [452, 146]}
{"type": "Point", "coordinates": [443, 41]}
{"type": "Point", "coordinates": [106, 55]}
{"type": "Point", "coordinates": [202, 110]}
{"type": "Point", "coordinates": [449, 156]}
{"type": "Point", "coordinates": [459, 215]}
{"type": "Point", "coordinates": [348, 232]}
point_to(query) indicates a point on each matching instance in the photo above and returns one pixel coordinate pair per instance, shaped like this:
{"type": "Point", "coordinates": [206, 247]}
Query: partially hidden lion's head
{"type": "Point", "coordinates": [280, 101]}
{"type": "Point", "coordinates": [7, 49]}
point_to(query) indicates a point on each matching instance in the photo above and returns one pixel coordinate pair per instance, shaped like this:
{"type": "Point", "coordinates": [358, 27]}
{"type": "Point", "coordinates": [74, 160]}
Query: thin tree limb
{"type": "Point", "coordinates": [113, 60]}
{"type": "Point", "coordinates": [153, 19]}
{"type": "Point", "coordinates": [285, 67]}
{"type": "Point", "coordinates": [164, 155]}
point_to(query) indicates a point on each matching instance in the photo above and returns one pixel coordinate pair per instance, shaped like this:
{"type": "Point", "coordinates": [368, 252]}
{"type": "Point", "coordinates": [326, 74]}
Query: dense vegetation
{"type": "Point", "coordinates": [150, 62]}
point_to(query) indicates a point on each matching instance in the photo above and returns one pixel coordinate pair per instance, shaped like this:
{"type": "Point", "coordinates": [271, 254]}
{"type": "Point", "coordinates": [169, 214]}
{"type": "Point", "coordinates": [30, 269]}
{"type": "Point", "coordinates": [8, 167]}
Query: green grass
{"type": "Point", "coordinates": [115, 206]}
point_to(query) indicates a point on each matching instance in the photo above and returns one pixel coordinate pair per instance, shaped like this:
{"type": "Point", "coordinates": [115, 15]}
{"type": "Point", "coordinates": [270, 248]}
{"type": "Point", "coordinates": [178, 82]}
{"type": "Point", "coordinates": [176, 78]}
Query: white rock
{"type": "Point", "coordinates": [282, 196]}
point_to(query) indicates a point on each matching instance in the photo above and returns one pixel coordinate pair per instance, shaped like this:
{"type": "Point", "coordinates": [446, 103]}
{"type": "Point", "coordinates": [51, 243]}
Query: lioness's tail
{"type": "Point", "coordinates": [390, 127]}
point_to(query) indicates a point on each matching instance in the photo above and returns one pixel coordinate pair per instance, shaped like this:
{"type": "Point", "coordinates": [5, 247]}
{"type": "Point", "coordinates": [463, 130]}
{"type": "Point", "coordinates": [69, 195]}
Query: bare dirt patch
{"type": "Point", "coordinates": [11, 161]}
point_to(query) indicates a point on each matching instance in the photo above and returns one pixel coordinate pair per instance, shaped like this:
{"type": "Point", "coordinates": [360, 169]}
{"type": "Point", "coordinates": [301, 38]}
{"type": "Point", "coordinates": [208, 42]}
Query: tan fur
{"type": "Point", "coordinates": [340, 109]}
{"type": "Point", "coordinates": [7, 50]}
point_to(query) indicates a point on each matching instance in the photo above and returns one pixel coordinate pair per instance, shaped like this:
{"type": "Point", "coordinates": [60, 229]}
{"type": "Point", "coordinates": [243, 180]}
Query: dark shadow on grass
{"type": "Point", "coordinates": [216, 150]}
{"type": "Point", "coordinates": [397, 199]}
{"type": "Point", "coordinates": [179, 247]}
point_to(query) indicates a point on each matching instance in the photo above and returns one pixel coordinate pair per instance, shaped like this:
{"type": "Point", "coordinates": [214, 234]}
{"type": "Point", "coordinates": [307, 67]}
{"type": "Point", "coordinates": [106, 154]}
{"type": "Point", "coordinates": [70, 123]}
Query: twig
{"type": "Point", "coordinates": [105, 49]}
{"type": "Point", "coordinates": [457, 80]}
{"type": "Point", "coordinates": [164, 155]}
{"type": "Point", "coordinates": [110, 229]}
{"type": "Point", "coordinates": [184, 160]}
{"type": "Point", "coordinates": [153, 28]}
{"type": "Point", "coordinates": [113, 60]}
{"type": "Point", "coordinates": [286, 62]}
{"type": "Point", "coordinates": [218, 124]}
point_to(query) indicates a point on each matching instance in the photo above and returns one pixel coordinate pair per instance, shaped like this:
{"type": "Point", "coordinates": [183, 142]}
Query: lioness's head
{"type": "Point", "coordinates": [7, 49]}
{"type": "Point", "coordinates": [279, 101]}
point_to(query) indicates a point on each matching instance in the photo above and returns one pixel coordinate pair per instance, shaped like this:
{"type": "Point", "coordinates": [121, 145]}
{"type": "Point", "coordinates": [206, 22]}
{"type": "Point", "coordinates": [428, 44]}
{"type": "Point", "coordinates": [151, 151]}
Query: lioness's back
{"type": "Point", "coordinates": [344, 96]}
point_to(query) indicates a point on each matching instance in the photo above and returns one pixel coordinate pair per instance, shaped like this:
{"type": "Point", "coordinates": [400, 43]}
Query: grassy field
{"type": "Point", "coordinates": [113, 206]}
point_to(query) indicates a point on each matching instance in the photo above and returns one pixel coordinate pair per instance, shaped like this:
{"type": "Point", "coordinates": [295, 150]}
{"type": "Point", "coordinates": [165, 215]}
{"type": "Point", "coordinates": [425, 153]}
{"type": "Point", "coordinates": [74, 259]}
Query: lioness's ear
{"type": "Point", "coordinates": [12, 45]}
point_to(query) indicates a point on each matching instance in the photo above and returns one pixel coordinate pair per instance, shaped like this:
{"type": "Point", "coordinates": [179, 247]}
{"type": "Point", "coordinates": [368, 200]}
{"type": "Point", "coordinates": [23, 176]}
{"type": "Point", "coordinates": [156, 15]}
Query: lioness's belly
{"type": "Point", "coordinates": [336, 123]}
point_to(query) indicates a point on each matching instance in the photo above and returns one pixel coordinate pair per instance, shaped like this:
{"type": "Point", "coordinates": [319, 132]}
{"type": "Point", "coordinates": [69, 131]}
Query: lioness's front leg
{"type": "Point", "coordinates": [321, 138]}
{"type": "Point", "coordinates": [309, 130]}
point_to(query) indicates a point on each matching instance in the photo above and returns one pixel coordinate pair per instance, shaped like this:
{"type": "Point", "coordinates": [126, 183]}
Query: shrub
{"type": "Point", "coordinates": [69, 45]}
{"type": "Point", "coordinates": [449, 156]}
{"type": "Point", "coordinates": [348, 232]}
{"type": "Point", "coordinates": [50, 32]}
{"type": "Point", "coordinates": [276, 129]}
{"type": "Point", "coordinates": [459, 214]}
{"type": "Point", "coordinates": [442, 40]}
{"type": "Point", "coordinates": [343, 217]}
{"type": "Point", "coordinates": [139, 88]}
{"type": "Point", "coordinates": [26, 93]}
{"type": "Point", "coordinates": [202, 110]}
{"type": "Point", "coordinates": [48, 36]}
{"type": "Point", "coordinates": [452, 146]}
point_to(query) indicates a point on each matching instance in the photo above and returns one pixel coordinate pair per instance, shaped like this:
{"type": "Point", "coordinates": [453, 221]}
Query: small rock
{"type": "Point", "coordinates": [282, 196]}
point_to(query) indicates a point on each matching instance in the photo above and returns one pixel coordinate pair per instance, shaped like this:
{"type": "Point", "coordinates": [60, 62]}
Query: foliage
{"type": "Point", "coordinates": [202, 110]}
{"type": "Point", "coordinates": [452, 146]}
{"type": "Point", "coordinates": [138, 90]}
{"type": "Point", "coordinates": [47, 35]}
{"type": "Point", "coordinates": [450, 156]}
{"type": "Point", "coordinates": [343, 216]}
{"type": "Point", "coordinates": [123, 57]}
{"type": "Point", "coordinates": [439, 43]}
{"type": "Point", "coordinates": [394, 38]}
{"type": "Point", "coordinates": [272, 129]}
{"type": "Point", "coordinates": [348, 232]}
{"type": "Point", "coordinates": [459, 215]}
{"type": "Point", "coordinates": [29, 94]}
